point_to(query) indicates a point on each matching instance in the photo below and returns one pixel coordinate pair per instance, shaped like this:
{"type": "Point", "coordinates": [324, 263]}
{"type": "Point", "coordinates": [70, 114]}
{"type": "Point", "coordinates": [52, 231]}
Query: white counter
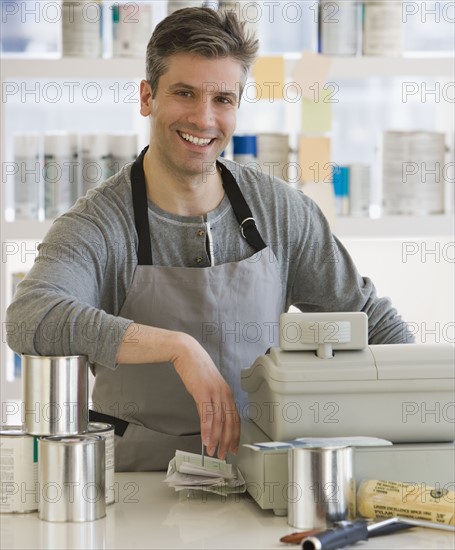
{"type": "Point", "coordinates": [148, 514]}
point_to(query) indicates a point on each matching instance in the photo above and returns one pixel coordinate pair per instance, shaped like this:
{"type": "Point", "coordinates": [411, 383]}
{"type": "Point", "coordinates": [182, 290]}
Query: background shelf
{"type": "Point", "coordinates": [342, 67]}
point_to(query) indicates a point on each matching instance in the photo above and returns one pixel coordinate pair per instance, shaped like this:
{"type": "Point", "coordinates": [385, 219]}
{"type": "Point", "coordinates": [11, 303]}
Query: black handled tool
{"type": "Point", "coordinates": [340, 537]}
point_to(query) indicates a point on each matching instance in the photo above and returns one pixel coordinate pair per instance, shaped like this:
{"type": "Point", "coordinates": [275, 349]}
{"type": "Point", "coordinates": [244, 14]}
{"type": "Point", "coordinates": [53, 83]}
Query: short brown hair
{"type": "Point", "coordinates": [201, 31]}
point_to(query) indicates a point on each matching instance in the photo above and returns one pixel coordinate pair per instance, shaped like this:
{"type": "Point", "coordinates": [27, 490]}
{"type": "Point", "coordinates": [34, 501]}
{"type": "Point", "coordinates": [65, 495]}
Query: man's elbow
{"type": "Point", "coordinates": [18, 337]}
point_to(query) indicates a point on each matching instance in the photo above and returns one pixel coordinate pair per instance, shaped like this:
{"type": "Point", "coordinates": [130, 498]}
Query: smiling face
{"type": "Point", "coordinates": [194, 112]}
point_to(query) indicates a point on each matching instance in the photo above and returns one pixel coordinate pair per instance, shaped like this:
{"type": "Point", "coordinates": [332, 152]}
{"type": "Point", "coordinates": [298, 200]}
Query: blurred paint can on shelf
{"type": "Point", "coordinates": [61, 173]}
{"type": "Point", "coordinates": [107, 432]}
{"type": "Point", "coordinates": [245, 149]}
{"type": "Point", "coordinates": [273, 154]}
{"type": "Point", "coordinates": [82, 28]}
{"type": "Point", "coordinates": [71, 476]}
{"type": "Point", "coordinates": [413, 172]}
{"type": "Point", "coordinates": [340, 181]}
{"type": "Point", "coordinates": [359, 190]}
{"type": "Point", "coordinates": [95, 160]}
{"type": "Point", "coordinates": [123, 149]}
{"type": "Point", "coordinates": [27, 176]}
{"type": "Point", "coordinates": [382, 28]}
{"type": "Point", "coordinates": [339, 27]}
{"type": "Point", "coordinates": [132, 28]}
{"type": "Point", "coordinates": [55, 394]}
{"type": "Point", "coordinates": [19, 490]}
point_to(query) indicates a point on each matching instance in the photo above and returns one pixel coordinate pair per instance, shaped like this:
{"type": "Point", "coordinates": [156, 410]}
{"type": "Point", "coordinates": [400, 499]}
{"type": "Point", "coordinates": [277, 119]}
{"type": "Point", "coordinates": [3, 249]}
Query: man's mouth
{"type": "Point", "coordinates": [201, 142]}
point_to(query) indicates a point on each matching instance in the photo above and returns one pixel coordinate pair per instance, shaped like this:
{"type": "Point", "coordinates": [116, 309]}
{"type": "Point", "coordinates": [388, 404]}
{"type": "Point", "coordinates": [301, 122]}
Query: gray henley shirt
{"type": "Point", "coordinates": [69, 302]}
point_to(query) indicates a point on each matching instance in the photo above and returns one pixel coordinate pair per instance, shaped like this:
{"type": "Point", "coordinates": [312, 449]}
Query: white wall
{"type": "Point", "coordinates": [419, 277]}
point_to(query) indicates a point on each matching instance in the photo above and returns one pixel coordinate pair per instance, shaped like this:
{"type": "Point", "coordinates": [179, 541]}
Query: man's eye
{"type": "Point", "coordinates": [225, 100]}
{"type": "Point", "coordinates": [184, 93]}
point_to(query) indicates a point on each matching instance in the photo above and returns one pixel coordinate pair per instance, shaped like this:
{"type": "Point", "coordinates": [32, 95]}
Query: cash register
{"type": "Point", "coordinates": [324, 380]}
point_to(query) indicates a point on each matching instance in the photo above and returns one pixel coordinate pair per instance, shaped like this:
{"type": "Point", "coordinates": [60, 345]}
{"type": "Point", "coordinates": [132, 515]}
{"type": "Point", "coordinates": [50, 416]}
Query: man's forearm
{"type": "Point", "coordinates": [219, 428]}
{"type": "Point", "coordinates": [145, 344]}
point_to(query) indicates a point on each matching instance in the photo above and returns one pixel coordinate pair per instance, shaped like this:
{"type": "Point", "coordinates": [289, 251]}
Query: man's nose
{"type": "Point", "coordinates": [202, 115]}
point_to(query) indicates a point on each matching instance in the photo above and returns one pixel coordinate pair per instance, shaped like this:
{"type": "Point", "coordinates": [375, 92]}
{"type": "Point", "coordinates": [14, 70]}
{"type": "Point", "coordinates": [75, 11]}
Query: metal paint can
{"type": "Point", "coordinates": [132, 27]}
{"type": "Point", "coordinates": [71, 478]}
{"type": "Point", "coordinates": [413, 171]}
{"type": "Point", "coordinates": [55, 393]}
{"type": "Point", "coordinates": [89, 536]}
{"type": "Point", "coordinates": [321, 487]}
{"type": "Point", "coordinates": [19, 490]}
{"type": "Point", "coordinates": [339, 24]}
{"type": "Point", "coordinates": [383, 28]}
{"type": "Point", "coordinates": [26, 182]}
{"type": "Point", "coordinates": [82, 28]}
{"type": "Point", "coordinates": [60, 173]}
{"type": "Point", "coordinates": [107, 432]}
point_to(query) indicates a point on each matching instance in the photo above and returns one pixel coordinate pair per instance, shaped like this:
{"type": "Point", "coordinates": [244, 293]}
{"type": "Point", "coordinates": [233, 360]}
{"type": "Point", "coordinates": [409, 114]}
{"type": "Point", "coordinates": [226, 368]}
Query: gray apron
{"type": "Point", "coordinates": [231, 309]}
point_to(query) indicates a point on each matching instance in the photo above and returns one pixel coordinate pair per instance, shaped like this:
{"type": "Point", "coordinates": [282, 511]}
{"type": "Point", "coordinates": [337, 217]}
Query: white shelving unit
{"type": "Point", "coordinates": [16, 68]}
{"type": "Point", "coordinates": [342, 67]}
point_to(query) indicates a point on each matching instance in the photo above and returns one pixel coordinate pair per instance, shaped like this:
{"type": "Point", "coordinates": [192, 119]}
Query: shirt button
{"type": "Point", "coordinates": [200, 233]}
{"type": "Point", "coordinates": [198, 259]}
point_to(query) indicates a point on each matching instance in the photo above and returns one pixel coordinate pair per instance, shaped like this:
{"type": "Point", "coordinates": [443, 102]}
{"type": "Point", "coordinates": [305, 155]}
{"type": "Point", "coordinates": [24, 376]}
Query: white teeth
{"type": "Point", "coordinates": [197, 141]}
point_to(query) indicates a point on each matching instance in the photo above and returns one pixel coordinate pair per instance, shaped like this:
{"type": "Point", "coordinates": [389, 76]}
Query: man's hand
{"type": "Point", "coordinates": [220, 421]}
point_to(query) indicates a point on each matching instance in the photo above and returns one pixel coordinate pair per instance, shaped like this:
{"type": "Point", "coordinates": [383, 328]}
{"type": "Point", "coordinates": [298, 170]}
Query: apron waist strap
{"type": "Point", "coordinates": [119, 424]}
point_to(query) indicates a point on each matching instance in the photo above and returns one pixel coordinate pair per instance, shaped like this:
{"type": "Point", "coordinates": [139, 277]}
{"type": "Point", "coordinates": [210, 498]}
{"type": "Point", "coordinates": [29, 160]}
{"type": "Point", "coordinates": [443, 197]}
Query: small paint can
{"type": "Point", "coordinates": [19, 489]}
{"type": "Point", "coordinates": [107, 432]}
{"type": "Point", "coordinates": [321, 489]}
{"type": "Point", "coordinates": [55, 391]}
{"type": "Point", "coordinates": [71, 475]}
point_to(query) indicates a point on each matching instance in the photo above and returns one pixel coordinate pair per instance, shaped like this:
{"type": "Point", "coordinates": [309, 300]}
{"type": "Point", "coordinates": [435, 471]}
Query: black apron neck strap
{"type": "Point", "coordinates": [140, 208]}
{"type": "Point", "coordinates": [241, 209]}
{"type": "Point", "coordinates": [239, 205]}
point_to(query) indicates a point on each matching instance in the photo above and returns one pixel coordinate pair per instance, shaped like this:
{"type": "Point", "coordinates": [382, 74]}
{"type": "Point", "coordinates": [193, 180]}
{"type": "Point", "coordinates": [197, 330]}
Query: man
{"type": "Point", "coordinates": [156, 273]}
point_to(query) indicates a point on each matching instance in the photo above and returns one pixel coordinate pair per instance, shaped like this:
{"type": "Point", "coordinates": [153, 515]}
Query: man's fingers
{"type": "Point", "coordinates": [220, 426]}
{"type": "Point", "coordinates": [231, 430]}
{"type": "Point", "coordinates": [206, 411]}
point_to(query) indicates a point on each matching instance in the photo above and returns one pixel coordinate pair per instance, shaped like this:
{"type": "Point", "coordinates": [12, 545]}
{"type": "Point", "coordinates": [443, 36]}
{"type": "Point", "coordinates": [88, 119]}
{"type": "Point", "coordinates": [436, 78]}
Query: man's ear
{"type": "Point", "coordinates": [145, 92]}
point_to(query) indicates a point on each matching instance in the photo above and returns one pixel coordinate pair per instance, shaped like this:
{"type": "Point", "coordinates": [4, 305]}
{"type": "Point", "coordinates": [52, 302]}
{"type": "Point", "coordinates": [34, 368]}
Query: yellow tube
{"type": "Point", "coordinates": [384, 499]}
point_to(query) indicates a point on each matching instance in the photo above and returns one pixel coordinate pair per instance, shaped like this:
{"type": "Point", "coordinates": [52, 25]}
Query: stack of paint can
{"type": "Point", "coordinates": [273, 154]}
{"type": "Point", "coordinates": [60, 461]}
{"type": "Point", "coordinates": [72, 165]}
{"type": "Point", "coordinates": [370, 27]}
